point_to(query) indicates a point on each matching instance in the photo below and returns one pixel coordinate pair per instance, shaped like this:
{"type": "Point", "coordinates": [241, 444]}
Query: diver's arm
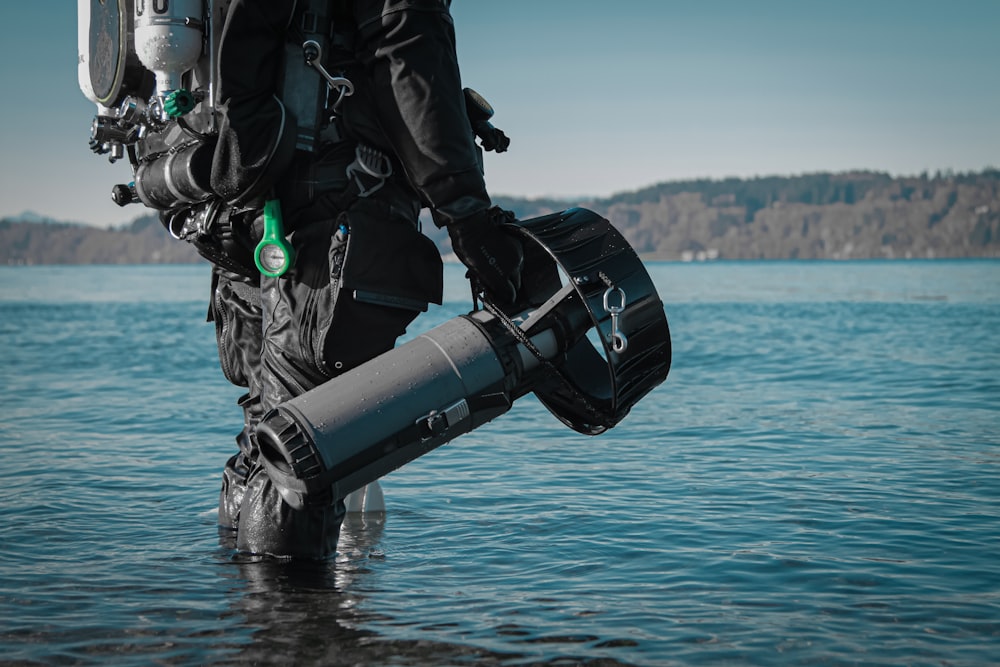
{"type": "Point", "coordinates": [408, 50]}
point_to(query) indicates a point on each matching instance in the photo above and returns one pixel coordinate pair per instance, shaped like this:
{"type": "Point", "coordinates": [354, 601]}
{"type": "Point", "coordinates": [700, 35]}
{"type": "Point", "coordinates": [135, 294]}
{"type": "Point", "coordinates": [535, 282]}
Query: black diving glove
{"type": "Point", "coordinates": [493, 255]}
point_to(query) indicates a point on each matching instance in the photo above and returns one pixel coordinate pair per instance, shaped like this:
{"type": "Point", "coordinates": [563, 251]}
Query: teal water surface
{"type": "Point", "coordinates": [815, 483]}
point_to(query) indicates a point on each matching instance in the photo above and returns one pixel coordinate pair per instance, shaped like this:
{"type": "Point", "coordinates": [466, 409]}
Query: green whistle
{"type": "Point", "coordinates": [273, 255]}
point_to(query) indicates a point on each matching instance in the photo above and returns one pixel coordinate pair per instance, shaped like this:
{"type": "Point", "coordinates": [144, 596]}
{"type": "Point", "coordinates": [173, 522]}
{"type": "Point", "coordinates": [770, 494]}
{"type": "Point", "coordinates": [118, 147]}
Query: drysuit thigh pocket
{"type": "Point", "coordinates": [386, 275]}
{"type": "Point", "coordinates": [389, 261]}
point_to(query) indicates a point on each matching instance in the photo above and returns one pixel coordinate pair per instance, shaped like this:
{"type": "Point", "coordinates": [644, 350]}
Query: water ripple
{"type": "Point", "coordinates": [815, 483]}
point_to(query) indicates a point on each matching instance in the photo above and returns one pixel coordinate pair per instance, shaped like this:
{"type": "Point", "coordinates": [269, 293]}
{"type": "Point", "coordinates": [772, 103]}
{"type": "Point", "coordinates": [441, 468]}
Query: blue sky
{"type": "Point", "coordinates": [605, 97]}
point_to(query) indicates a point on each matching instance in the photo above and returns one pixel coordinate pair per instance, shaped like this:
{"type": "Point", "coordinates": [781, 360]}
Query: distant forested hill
{"type": "Point", "coordinates": [145, 241]}
{"type": "Point", "coordinates": [859, 215]}
{"type": "Point", "coordinates": [856, 215]}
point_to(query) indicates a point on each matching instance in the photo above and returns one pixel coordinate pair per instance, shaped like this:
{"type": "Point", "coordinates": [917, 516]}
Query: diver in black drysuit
{"type": "Point", "coordinates": [362, 269]}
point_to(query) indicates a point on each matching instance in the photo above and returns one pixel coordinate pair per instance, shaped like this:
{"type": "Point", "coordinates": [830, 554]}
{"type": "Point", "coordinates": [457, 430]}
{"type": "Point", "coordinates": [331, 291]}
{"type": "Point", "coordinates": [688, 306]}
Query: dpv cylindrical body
{"type": "Point", "coordinates": [352, 430]}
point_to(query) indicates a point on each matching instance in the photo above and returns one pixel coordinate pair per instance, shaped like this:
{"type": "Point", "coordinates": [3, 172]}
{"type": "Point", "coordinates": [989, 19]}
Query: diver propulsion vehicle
{"type": "Point", "coordinates": [589, 337]}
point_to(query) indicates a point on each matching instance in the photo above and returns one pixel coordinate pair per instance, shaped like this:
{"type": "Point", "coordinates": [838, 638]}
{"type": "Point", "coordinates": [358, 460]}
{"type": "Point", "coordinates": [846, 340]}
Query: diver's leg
{"type": "Point", "coordinates": [313, 330]}
{"type": "Point", "coordinates": [237, 468]}
{"type": "Point", "coordinates": [297, 314]}
{"type": "Point", "coordinates": [237, 315]}
{"type": "Point", "coordinates": [270, 526]}
{"type": "Point", "coordinates": [299, 354]}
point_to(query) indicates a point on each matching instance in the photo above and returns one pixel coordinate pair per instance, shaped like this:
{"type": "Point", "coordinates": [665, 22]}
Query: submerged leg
{"type": "Point", "coordinates": [269, 526]}
{"type": "Point", "coordinates": [308, 333]}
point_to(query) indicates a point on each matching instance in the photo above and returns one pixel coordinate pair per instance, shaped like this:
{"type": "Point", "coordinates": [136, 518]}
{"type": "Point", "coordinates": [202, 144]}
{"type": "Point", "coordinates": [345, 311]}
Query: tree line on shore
{"type": "Point", "coordinates": [850, 215]}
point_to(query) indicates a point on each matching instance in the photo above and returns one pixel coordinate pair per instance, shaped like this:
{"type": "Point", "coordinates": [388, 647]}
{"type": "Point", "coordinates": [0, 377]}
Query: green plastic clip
{"type": "Point", "coordinates": [273, 255]}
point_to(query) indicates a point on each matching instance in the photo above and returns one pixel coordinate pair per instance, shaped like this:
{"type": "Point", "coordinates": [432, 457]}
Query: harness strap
{"type": "Point", "coordinates": [316, 30]}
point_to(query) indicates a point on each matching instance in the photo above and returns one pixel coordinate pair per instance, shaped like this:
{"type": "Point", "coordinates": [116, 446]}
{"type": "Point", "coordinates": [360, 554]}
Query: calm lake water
{"type": "Point", "coordinates": [817, 482]}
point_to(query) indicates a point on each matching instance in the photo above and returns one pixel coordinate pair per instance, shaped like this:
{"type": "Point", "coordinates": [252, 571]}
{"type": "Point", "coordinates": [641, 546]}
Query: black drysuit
{"type": "Point", "coordinates": [279, 337]}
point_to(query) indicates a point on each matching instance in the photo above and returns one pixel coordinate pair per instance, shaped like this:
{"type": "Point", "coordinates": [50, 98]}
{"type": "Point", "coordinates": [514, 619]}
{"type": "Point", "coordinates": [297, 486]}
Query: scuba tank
{"type": "Point", "coordinates": [169, 40]}
{"type": "Point", "coordinates": [121, 41]}
{"type": "Point", "coordinates": [148, 66]}
{"type": "Point", "coordinates": [154, 69]}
